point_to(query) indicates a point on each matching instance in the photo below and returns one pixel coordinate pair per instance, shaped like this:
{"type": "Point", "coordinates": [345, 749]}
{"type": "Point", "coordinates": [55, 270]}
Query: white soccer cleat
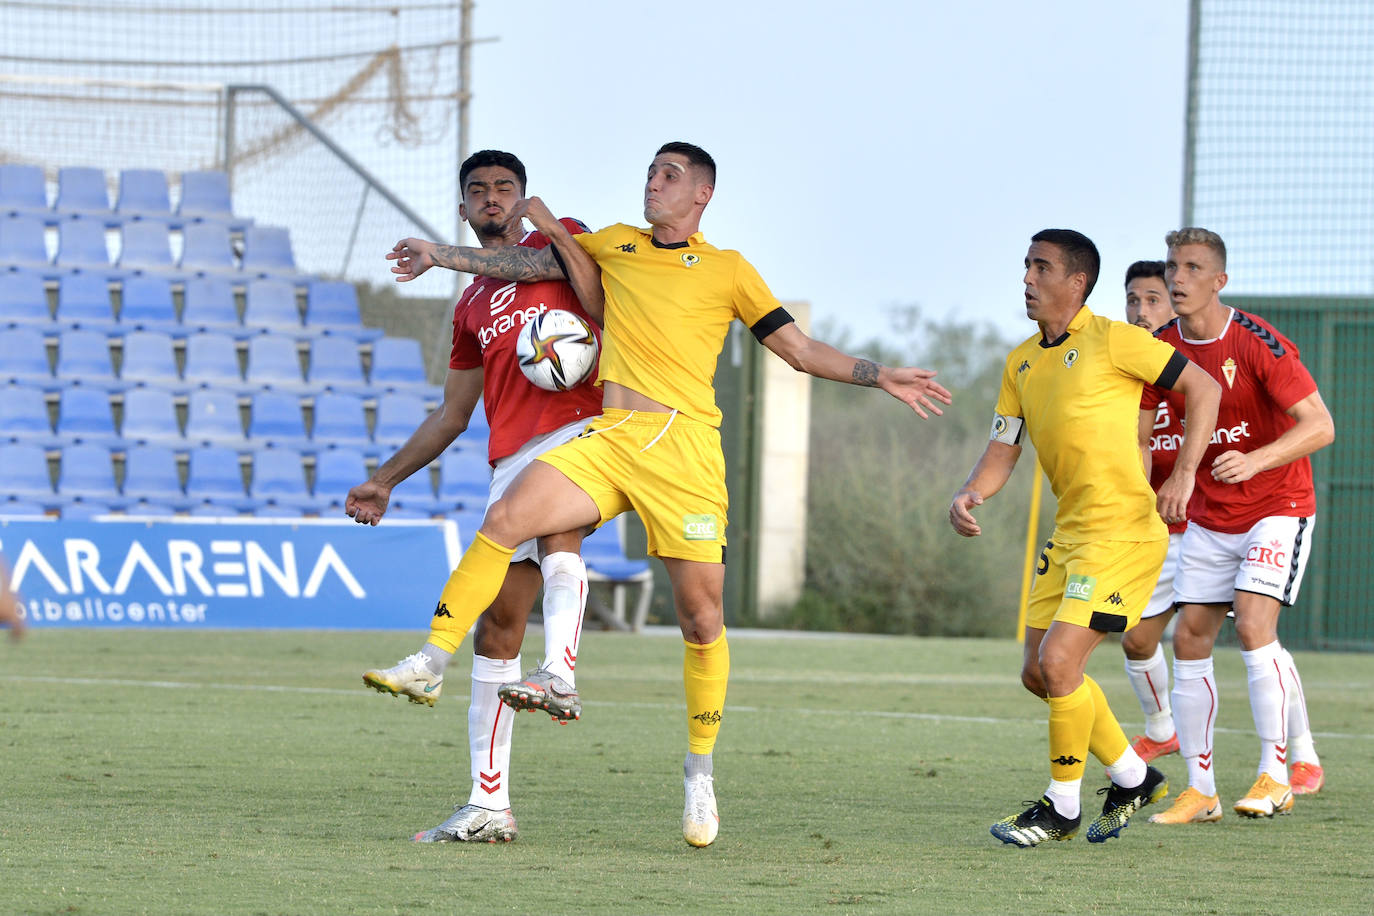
{"type": "Point", "coordinates": [471, 824]}
{"type": "Point", "coordinates": [700, 822]}
{"type": "Point", "coordinates": [410, 677]}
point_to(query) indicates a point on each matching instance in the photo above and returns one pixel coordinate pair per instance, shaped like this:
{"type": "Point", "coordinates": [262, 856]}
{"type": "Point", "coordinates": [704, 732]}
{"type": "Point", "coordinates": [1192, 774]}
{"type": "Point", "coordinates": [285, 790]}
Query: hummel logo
{"type": "Point", "coordinates": [1115, 598]}
{"type": "Point", "coordinates": [711, 717]}
{"type": "Point", "coordinates": [1065, 761]}
{"type": "Point", "coordinates": [1025, 364]}
{"type": "Point", "coordinates": [628, 247]}
{"type": "Point", "coordinates": [442, 611]}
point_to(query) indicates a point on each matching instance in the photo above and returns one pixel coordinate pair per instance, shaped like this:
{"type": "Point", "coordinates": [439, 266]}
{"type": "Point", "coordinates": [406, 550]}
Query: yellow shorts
{"type": "Point", "coordinates": [667, 467]}
{"type": "Point", "coordinates": [1104, 585]}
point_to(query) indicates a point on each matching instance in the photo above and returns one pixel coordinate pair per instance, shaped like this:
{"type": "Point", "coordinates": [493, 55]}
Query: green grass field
{"type": "Point", "coordinates": [250, 773]}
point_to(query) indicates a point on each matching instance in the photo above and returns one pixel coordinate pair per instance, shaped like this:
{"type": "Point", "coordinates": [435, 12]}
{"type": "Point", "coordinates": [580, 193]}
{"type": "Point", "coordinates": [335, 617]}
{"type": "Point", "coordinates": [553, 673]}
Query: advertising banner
{"type": "Point", "coordinates": [218, 573]}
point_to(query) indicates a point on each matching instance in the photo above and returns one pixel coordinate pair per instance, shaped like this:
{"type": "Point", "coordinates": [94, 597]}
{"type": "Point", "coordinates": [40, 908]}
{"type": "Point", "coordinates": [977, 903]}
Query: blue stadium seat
{"type": "Point", "coordinates": [397, 417]}
{"type": "Point", "coordinates": [150, 417]}
{"type": "Point", "coordinates": [465, 478]}
{"type": "Point", "coordinates": [81, 192]}
{"type": "Point", "coordinates": [212, 361]}
{"type": "Point", "coordinates": [274, 362]}
{"type": "Point", "coordinates": [270, 305]}
{"type": "Point", "coordinates": [205, 197]}
{"type": "Point", "coordinates": [21, 508]}
{"type": "Point", "coordinates": [207, 250]}
{"type": "Point", "coordinates": [150, 475]}
{"type": "Point", "coordinates": [81, 246]}
{"type": "Point", "coordinates": [24, 359]}
{"type": "Point", "coordinates": [150, 360]}
{"type": "Point", "coordinates": [212, 418]}
{"type": "Point", "coordinates": [417, 492]}
{"type": "Point", "coordinates": [479, 430]}
{"type": "Point", "coordinates": [24, 192]}
{"type": "Point", "coordinates": [267, 253]}
{"type": "Point", "coordinates": [606, 562]}
{"type": "Point", "coordinates": [332, 307]}
{"type": "Point", "coordinates": [23, 300]}
{"type": "Point", "coordinates": [336, 365]}
{"type": "Point", "coordinates": [24, 417]}
{"type": "Point", "coordinates": [150, 510]}
{"type": "Point", "coordinates": [337, 471]}
{"type": "Point", "coordinates": [83, 301]}
{"type": "Point", "coordinates": [87, 473]}
{"type": "Point", "coordinates": [468, 521]}
{"type": "Point", "coordinates": [22, 245]}
{"type": "Point", "coordinates": [209, 306]}
{"type": "Point", "coordinates": [146, 248]}
{"type": "Point", "coordinates": [83, 358]}
{"type": "Point", "coordinates": [341, 422]}
{"type": "Point", "coordinates": [146, 304]}
{"type": "Point", "coordinates": [279, 478]}
{"type": "Point", "coordinates": [213, 475]}
{"type": "Point", "coordinates": [143, 195]}
{"type": "Point", "coordinates": [85, 508]}
{"type": "Point", "coordinates": [26, 473]}
{"type": "Point", "coordinates": [275, 421]}
{"type": "Point", "coordinates": [84, 416]}
{"type": "Point", "coordinates": [398, 365]}
{"type": "Point", "coordinates": [272, 510]}
{"type": "Point", "coordinates": [214, 510]}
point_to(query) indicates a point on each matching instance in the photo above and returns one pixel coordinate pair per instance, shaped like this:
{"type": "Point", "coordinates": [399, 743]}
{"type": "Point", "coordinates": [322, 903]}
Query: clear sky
{"type": "Point", "coordinates": [871, 153]}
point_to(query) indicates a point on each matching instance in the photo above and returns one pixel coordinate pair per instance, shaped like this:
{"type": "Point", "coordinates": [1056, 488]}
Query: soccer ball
{"type": "Point", "coordinates": [557, 350]}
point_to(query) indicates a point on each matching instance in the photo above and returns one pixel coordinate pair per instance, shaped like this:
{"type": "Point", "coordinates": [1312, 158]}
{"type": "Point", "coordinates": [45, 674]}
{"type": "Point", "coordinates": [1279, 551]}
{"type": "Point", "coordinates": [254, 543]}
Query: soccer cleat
{"type": "Point", "coordinates": [410, 677]}
{"type": "Point", "coordinates": [1266, 798]}
{"type": "Point", "coordinates": [1121, 803]}
{"type": "Point", "coordinates": [542, 689]}
{"type": "Point", "coordinates": [700, 822]}
{"type": "Point", "coordinates": [1191, 807]}
{"type": "Point", "coordinates": [1306, 778]}
{"type": "Point", "coordinates": [471, 824]}
{"type": "Point", "coordinates": [1038, 823]}
{"type": "Point", "coordinates": [1149, 749]}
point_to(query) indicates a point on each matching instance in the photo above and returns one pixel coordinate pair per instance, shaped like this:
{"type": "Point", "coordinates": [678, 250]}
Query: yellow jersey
{"type": "Point", "coordinates": [1078, 398]}
{"type": "Point", "coordinates": [668, 309]}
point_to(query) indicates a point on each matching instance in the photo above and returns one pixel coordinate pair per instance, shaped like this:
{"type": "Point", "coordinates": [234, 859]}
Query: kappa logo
{"type": "Point", "coordinates": [442, 611]}
{"type": "Point", "coordinates": [1071, 357]}
{"type": "Point", "coordinates": [691, 260]}
{"type": "Point", "coordinates": [628, 247]}
{"type": "Point", "coordinates": [699, 527]}
{"type": "Point", "coordinates": [1080, 588]}
{"type": "Point", "coordinates": [1065, 761]}
{"type": "Point", "coordinates": [710, 717]}
{"type": "Point", "coordinates": [1025, 364]}
{"type": "Point", "coordinates": [1115, 598]}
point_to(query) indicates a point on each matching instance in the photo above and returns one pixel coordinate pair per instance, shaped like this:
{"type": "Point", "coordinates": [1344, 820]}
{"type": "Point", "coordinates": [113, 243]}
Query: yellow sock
{"type": "Point", "coordinates": [1071, 722]}
{"type": "Point", "coordinates": [705, 673]}
{"type": "Point", "coordinates": [470, 590]}
{"type": "Point", "coordinates": [1107, 742]}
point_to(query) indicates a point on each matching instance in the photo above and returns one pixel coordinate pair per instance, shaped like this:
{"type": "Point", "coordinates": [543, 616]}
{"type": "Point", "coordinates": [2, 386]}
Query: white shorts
{"type": "Point", "coordinates": [1162, 599]}
{"type": "Point", "coordinates": [509, 467]}
{"type": "Point", "coordinates": [1269, 559]}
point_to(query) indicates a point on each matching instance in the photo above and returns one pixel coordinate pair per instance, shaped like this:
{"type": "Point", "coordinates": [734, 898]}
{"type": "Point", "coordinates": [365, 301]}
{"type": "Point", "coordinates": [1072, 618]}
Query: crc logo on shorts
{"type": "Point", "coordinates": [1071, 357]}
{"type": "Point", "coordinates": [699, 527]}
{"type": "Point", "coordinates": [1080, 588]}
{"type": "Point", "coordinates": [1274, 555]}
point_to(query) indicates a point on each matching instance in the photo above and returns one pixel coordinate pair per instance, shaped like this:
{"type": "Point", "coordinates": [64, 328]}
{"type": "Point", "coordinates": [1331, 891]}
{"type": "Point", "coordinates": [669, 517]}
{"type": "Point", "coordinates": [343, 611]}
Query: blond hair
{"type": "Point", "coordinates": [1192, 235]}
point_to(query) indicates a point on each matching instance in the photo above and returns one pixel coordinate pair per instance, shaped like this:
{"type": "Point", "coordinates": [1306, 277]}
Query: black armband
{"type": "Point", "coordinates": [771, 322]}
{"type": "Point", "coordinates": [1172, 370]}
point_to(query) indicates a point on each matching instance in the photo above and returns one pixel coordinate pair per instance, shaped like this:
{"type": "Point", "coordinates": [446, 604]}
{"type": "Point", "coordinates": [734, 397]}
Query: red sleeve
{"type": "Point", "coordinates": [1150, 396]}
{"type": "Point", "coordinates": [1287, 379]}
{"type": "Point", "coordinates": [465, 352]}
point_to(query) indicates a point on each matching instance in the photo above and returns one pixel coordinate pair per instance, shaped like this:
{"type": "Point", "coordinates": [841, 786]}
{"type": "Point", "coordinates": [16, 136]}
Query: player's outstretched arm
{"type": "Point", "coordinates": [1313, 430]}
{"type": "Point", "coordinates": [582, 272]}
{"type": "Point", "coordinates": [367, 502]}
{"type": "Point", "coordinates": [990, 473]}
{"type": "Point", "coordinates": [508, 262]}
{"type": "Point", "coordinates": [1202, 394]}
{"type": "Point", "coordinates": [914, 387]}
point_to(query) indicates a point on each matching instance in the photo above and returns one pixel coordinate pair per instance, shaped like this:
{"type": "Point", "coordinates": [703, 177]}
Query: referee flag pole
{"type": "Point", "coordinates": [1028, 572]}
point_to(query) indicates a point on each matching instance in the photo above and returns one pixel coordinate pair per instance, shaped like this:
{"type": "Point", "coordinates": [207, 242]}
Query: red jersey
{"type": "Point", "coordinates": [1260, 377]}
{"type": "Point", "coordinates": [1164, 443]}
{"type": "Point", "coordinates": [486, 321]}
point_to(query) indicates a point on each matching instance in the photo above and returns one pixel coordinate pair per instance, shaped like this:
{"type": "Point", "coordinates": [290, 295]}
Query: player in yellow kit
{"type": "Point", "coordinates": [670, 297]}
{"type": "Point", "coordinates": [1075, 389]}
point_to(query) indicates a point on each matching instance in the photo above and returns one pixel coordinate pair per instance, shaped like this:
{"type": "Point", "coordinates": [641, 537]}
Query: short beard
{"type": "Point", "coordinates": [492, 229]}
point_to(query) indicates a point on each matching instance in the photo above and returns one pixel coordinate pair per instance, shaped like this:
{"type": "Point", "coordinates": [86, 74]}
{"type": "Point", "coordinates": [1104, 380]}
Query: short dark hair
{"type": "Point", "coordinates": [1145, 269]}
{"type": "Point", "coordinates": [485, 157]}
{"type": "Point", "coordinates": [1080, 254]}
{"type": "Point", "coordinates": [696, 156]}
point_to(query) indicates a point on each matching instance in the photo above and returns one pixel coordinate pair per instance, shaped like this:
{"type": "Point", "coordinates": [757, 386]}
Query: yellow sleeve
{"type": "Point", "coordinates": [1136, 353]}
{"type": "Point", "coordinates": [597, 242]}
{"type": "Point", "coordinates": [751, 298]}
{"type": "Point", "coordinates": [1007, 420]}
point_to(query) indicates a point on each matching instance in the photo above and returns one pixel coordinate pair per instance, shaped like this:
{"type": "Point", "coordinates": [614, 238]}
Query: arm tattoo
{"type": "Point", "coordinates": [510, 262]}
{"type": "Point", "coordinates": [866, 373]}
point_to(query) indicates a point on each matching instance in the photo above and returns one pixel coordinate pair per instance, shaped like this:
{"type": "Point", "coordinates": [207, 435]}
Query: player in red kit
{"type": "Point", "coordinates": [525, 421]}
{"type": "Point", "coordinates": [1250, 528]}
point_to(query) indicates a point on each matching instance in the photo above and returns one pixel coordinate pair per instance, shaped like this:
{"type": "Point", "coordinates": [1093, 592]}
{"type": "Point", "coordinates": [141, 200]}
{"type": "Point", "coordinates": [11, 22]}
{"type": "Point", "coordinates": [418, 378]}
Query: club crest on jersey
{"type": "Point", "coordinates": [1228, 369]}
{"type": "Point", "coordinates": [1071, 357]}
{"type": "Point", "coordinates": [691, 260]}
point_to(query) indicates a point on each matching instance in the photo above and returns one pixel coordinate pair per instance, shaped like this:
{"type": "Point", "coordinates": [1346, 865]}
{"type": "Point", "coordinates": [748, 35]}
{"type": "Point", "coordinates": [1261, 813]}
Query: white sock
{"type": "Point", "coordinates": [1129, 770]}
{"type": "Point", "coordinates": [565, 604]}
{"type": "Point", "coordinates": [1064, 795]}
{"type": "Point", "coordinates": [1269, 706]}
{"type": "Point", "coordinates": [489, 732]}
{"type": "Point", "coordinates": [1150, 680]}
{"type": "Point", "coordinates": [1195, 703]}
{"type": "Point", "coordinates": [1300, 746]}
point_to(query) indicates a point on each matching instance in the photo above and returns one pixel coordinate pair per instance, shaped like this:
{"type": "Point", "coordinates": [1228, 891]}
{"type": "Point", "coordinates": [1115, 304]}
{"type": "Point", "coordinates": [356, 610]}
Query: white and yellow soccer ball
{"type": "Point", "coordinates": [556, 350]}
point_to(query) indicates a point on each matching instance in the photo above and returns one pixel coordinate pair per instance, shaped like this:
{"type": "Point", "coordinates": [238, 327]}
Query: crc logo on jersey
{"type": "Point", "coordinates": [1080, 588]}
{"type": "Point", "coordinates": [1273, 555]}
{"type": "Point", "coordinates": [691, 260]}
{"type": "Point", "coordinates": [699, 527]}
{"type": "Point", "coordinates": [1071, 357]}
{"type": "Point", "coordinates": [1228, 369]}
